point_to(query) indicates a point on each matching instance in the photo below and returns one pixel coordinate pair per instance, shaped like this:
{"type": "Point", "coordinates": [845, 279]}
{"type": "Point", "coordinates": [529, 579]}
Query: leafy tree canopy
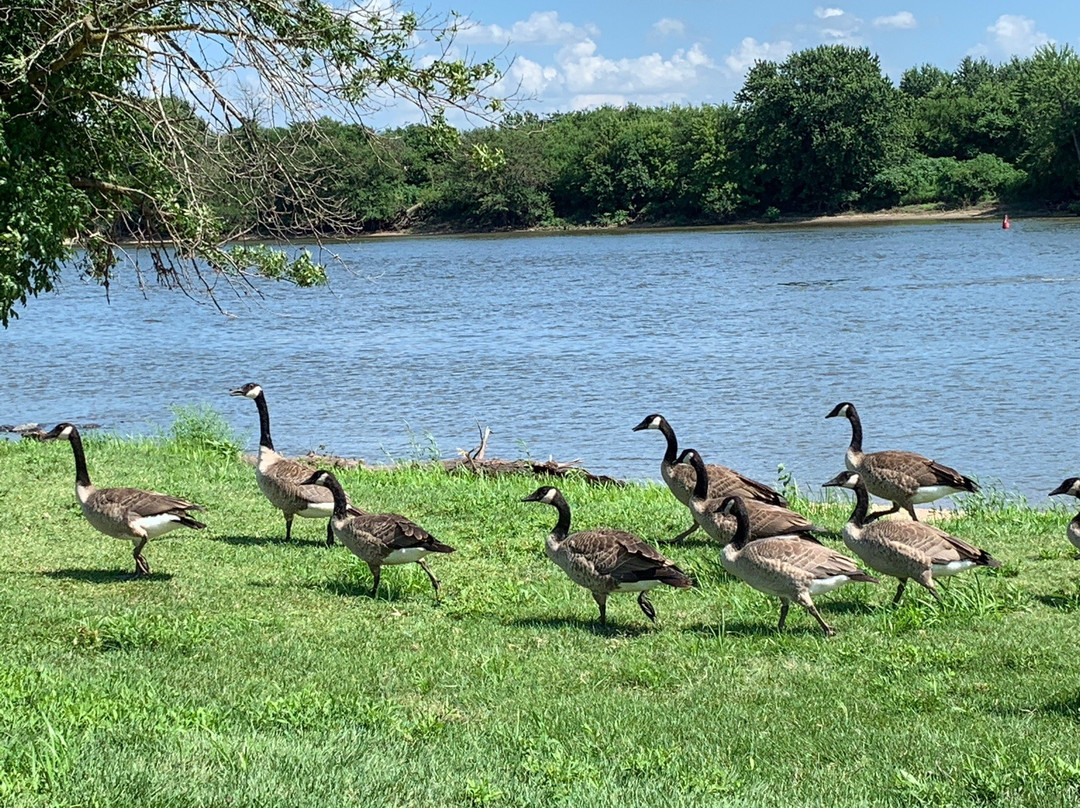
{"type": "Point", "coordinates": [125, 119]}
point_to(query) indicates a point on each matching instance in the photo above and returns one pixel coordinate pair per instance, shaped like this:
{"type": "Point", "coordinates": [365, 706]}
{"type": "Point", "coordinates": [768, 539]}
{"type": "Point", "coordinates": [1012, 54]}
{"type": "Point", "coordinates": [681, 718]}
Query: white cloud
{"type": "Point", "coordinates": [543, 27]}
{"type": "Point", "coordinates": [669, 27]}
{"type": "Point", "coordinates": [826, 13]}
{"type": "Point", "coordinates": [902, 19]}
{"type": "Point", "coordinates": [529, 79]}
{"type": "Point", "coordinates": [750, 51]}
{"type": "Point", "coordinates": [1014, 35]}
{"type": "Point", "coordinates": [585, 71]}
{"type": "Point", "coordinates": [590, 100]}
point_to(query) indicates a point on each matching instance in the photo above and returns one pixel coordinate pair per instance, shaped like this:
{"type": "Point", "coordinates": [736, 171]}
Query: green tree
{"type": "Point", "coordinates": [818, 127]}
{"type": "Point", "coordinates": [127, 118]}
{"type": "Point", "coordinates": [1050, 121]}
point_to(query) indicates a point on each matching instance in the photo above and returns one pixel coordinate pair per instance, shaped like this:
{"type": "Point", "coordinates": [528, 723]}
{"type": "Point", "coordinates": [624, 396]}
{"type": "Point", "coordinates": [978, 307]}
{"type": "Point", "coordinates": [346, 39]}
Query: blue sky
{"type": "Point", "coordinates": [561, 55]}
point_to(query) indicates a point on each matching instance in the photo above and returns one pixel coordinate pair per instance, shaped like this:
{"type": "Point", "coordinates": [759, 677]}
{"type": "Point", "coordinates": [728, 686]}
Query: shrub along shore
{"type": "Point", "coordinates": [251, 671]}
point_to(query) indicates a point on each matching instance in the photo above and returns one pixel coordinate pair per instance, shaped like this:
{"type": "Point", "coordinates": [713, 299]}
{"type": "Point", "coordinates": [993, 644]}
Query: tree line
{"type": "Point", "coordinates": [821, 132]}
{"type": "Point", "coordinates": [125, 123]}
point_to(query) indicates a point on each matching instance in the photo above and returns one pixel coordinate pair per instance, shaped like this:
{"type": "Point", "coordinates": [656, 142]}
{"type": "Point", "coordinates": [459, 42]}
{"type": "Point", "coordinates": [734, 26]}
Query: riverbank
{"type": "Point", "coordinates": [913, 214]}
{"type": "Point", "coordinates": [255, 671]}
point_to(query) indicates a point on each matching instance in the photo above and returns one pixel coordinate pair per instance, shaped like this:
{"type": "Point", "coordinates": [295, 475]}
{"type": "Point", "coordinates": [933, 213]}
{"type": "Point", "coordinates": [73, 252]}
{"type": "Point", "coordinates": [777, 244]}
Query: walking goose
{"type": "Point", "coordinates": [765, 520]}
{"type": "Point", "coordinates": [281, 479]}
{"type": "Point", "coordinates": [605, 560]}
{"type": "Point", "coordinates": [125, 513]}
{"type": "Point", "coordinates": [723, 482]}
{"type": "Point", "coordinates": [378, 539]}
{"type": "Point", "coordinates": [787, 567]}
{"type": "Point", "coordinates": [904, 478]}
{"type": "Point", "coordinates": [905, 549]}
{"type": "Point", "coordinates": [1071, 487]}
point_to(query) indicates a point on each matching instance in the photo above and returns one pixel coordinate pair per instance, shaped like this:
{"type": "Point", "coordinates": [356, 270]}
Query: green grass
{"type": "Point", "coordinates": [251, 672]}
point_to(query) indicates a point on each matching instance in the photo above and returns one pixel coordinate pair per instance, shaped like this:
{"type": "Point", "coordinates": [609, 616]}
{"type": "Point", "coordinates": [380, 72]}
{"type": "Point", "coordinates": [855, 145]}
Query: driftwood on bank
{"type": "Point", "coordinates": [474, 461]}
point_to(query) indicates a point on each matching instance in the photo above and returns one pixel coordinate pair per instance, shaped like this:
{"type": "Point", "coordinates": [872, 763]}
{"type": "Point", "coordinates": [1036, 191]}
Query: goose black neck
{"type": "Point", "coordinates": [856, 430]}
{"type": "Point", "coordinates": [701, 477]}
{"type": "Point", "coordinates": [862, 505]}
{"type": "Point", "coordinates": [264, 422]}
{"type": "Point", "coordinates": [742, 525]}
{"type": "Point", "coordinates": [562, 527]}
{"type": "Point", "coordinates": [82, 476]}
{"type": "Point", "coordinates": [672, 451]}
{"type": "Point", "coordinates": [341, 503]}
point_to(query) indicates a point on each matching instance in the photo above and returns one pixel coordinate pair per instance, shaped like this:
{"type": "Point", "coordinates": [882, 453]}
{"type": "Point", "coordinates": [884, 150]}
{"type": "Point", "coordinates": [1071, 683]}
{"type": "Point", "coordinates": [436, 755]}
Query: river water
{"type": "Point", "coordinates": [957, 340]}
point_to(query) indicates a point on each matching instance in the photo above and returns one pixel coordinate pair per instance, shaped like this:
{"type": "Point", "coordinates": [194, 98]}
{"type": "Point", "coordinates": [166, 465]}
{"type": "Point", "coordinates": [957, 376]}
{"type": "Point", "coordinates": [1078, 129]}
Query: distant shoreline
{"type": "Point", "coordinates": [912, 215]}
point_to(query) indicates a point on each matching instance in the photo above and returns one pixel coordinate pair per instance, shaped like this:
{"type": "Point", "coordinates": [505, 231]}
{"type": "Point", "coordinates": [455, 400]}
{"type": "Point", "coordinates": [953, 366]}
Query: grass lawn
{"type": "Point", "coordinates": [248, 671]}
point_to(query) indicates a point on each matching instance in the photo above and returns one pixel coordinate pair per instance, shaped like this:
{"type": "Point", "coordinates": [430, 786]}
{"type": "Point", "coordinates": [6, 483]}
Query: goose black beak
{"type": "Point", "coordinates": [1061, 489]}
{"type": "Point", "coordinates": [236, 393]}
{"type": "Point", "coordinates": [51, 435]}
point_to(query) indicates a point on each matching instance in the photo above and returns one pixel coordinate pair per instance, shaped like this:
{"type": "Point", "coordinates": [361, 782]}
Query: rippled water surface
{"type": "Point", "coordinates": [957, 340]}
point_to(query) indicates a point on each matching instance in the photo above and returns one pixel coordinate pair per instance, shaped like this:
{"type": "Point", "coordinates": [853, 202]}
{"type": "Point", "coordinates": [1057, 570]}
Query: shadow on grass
{"type": "Point", "coordinates": [389, 592]}
{"type": "Point", "coordinates": [850, 607]}
{"type": "Point", "coordinates": [255, 541]}
{"type": "Point", "coordinates": [739, 628]}
{"type": "Point", "coordinates": [104, 576]}
{"type": "Point", "coordinates": [1065, 603]}
{"type": "Point", "coordinates": [1066, 707]}
{"type": "Point", "coordinates": [612, 629]}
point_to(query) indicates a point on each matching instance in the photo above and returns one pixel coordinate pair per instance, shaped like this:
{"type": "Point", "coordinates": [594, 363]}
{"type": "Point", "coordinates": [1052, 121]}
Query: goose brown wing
{"type": "Point", "coordinates": [929, 541]}
{"type": "Point", "coordinates": [626, 558]}
{"type": "Point", "coordinates": [774, 520]}
{"type": "Point", "coordinates": [142, 503]}
{"type": "Point", "coordinates": [287, 472]}
{"type": "Point", "coordinates": [725, 482]}
{"type": "Point", "coordinates": [909, 471]}
{"type": "Point", "coordinates": [807, 557]}
{"type": "Point", "coordinates": [395, 532]}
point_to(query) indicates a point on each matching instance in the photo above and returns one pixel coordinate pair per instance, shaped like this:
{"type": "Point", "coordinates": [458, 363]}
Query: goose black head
{"type": "Point", "coordinates": [649, 422]}
{"type": "Point", "coordinates": [60, 432]}
{"type": "Point", "coordinates": [548, 494]}
{"type": "Point", "coordinates": [845, 479]}
{"type": "Point", "coordinates": [690, 457]}
{"type": "Point", "coordinates": [250, 390]}
{"type": "Point", "coordinates": [731, 506]}
{"type": "Point", "coordinates": [320, 477]}
{"type": "Point", "coordinates": [845, 409]}
{"type": "Point", "coordinates": [1071, 486]}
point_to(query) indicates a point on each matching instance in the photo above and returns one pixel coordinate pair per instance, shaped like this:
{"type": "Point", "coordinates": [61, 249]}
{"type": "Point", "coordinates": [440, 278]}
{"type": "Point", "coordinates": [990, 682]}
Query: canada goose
{"type": "Point", "coordinates": [905, 549]}
{"type": "Point", "coordinates": [124, 513]}
{"type": "Point", "coordinates": [904, 478]}
{"type": "Point", "coordinates": [765, 520]}
{"type": "Point", "coordinates": [378, 539]}
{"type": "Point", "coordinates": [723, 482]}
{"type": "Point", "coordinates": [789, 568]}
{"type": "Point", "coordinates": [281, 479]}
{"type": "Point", "coordinates": [1071, 487]}
{"type": "Point", "coordinates": [605, 560]}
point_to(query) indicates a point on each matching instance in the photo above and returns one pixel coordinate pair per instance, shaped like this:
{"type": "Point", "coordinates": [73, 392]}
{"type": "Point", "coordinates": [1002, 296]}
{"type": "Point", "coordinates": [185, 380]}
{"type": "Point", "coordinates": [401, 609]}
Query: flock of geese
{"type": "Point", "coordinates": [764, 543]}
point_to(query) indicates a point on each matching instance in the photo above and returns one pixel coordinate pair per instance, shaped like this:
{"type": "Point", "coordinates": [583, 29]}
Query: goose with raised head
{"type": "Point", "coordinates": [723, 482]}
{"type": "Point", "coordinates": [132, 514]}
{"type": "Point", "coordinates": [765, 520]}
{"type": "Point", "coordinates": [906, 479]}
{"type": "Point", "coordinates": [905, 550]}
{"type": "Point", "coordinates": [786, 567]}
{"type": "Point", "coordinates": [281, 479]}
{"type": "Point", "coordinates": [1071, 486]}
{"type": "Point", "coordinates": [604, 560]}
{"type": "Point", "coordinates": [378, 539]}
